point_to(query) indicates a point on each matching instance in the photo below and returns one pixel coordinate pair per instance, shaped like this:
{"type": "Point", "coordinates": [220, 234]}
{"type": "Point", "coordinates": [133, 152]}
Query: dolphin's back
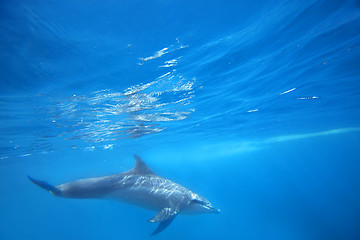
{"type": "Point", "coordinates": [150, 191]}
{"type": "Point", "coordinates": [89, 187]}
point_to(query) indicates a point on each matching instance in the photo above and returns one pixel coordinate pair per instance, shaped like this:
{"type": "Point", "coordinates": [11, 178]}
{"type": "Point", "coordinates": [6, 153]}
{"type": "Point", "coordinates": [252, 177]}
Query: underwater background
{"type": "Point", "coordinates": [255, 105]}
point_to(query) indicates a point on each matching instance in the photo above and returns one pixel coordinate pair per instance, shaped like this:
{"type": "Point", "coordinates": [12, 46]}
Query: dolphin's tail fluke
{"type": "Point", "coordinates": [44, 185]}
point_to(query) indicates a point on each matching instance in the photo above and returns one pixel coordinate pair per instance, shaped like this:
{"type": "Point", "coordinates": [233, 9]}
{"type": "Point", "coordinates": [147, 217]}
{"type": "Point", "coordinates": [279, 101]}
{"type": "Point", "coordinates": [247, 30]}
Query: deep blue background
{"type": "Point", "coordinates": [259, 112]}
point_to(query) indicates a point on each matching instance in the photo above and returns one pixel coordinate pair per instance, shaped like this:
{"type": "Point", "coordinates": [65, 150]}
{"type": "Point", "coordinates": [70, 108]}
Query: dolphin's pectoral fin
{"type": "Point", "coordinates": [164, 214]}
{"type": "Point", "coordinates": [164, 224]}
{"type": "Point", "coordinates": [164, 217]}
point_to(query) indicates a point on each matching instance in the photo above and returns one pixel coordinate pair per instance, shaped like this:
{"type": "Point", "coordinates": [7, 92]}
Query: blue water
{"type": "Point", "coordinates": [253, 104]}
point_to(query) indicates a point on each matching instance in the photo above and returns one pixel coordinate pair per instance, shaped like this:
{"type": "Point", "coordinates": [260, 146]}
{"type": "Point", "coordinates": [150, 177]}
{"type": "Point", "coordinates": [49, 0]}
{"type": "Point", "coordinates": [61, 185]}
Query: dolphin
{"type": "Point", "coordinates": [139, 186]}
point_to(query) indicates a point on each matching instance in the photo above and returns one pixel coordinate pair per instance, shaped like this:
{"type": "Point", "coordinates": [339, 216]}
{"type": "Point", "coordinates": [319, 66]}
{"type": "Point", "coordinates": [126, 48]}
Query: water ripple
{"type": "Point", "coordinates": [135, 112]}
{"type": "Point", "coordinates": [101, 116]}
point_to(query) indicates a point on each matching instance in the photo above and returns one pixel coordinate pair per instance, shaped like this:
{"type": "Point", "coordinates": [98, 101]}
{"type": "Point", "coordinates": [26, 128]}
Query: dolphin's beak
{"type": "Point", "coordinates": [216, 210]}
{"type": "Point", "coordinates": [212, 209]}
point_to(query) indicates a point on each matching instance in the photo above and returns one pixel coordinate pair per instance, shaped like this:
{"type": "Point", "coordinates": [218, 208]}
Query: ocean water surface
{"type": "Point", "coordinates": [255, 105]}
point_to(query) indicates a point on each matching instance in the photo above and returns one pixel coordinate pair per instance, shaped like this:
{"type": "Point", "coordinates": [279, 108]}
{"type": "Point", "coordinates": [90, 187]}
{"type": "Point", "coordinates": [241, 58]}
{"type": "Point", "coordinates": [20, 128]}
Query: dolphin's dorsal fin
{"type": "Point", "coordinates": [140, 167]}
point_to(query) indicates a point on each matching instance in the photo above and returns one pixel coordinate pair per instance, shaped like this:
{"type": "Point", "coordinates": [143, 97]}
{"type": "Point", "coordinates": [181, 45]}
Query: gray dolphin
{"type": "Point", "coordinates": [139, 186]}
